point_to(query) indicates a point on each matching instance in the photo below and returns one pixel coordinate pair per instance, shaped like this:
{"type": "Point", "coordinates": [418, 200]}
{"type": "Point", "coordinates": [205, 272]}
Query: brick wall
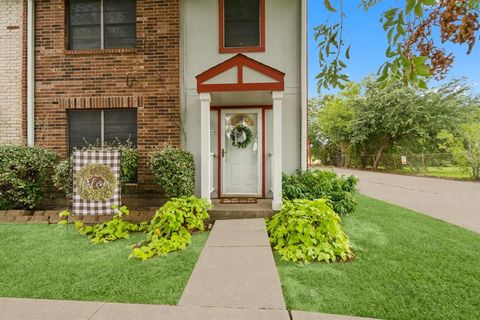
{"type": "Point", "coordinates": [98, 79]}
{"type": "Point", "coordinates": [11, 14]}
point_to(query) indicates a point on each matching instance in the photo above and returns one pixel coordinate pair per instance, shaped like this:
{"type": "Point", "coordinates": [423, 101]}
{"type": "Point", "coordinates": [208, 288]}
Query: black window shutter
{"type": "Point", "coordinates": [84, 128]}
{"type": "Point", "coordinates": [241, 23]}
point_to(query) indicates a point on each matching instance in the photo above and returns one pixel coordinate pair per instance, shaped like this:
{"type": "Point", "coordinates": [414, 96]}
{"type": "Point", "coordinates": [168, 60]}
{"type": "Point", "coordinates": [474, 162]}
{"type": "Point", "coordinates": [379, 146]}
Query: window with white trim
{"type": "Point", "coordinates": [101, 24]}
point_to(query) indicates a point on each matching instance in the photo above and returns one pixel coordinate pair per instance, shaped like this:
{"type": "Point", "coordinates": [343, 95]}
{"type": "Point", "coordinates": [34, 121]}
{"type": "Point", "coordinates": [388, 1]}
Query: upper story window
{"type": "Point", "coordinates": [242, 26]}
{"type": "Point", "coordinates": [101, 24]}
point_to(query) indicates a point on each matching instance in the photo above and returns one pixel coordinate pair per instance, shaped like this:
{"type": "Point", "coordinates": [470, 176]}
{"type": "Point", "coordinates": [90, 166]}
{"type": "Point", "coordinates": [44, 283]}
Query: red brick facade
{"type": "Point", "coordinates": [146, 78]}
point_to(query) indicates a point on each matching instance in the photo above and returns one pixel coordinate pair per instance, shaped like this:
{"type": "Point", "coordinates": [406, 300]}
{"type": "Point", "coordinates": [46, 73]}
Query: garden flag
{"type": "Point", "coordinates": [96, 182]}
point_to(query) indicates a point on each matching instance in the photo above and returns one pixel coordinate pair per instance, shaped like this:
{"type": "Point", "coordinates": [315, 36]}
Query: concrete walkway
{"type": "Point", "coordinates": [456, 202]}
{"type": "Point", "coordinates": [235, 269]}
{"type": "Point", "coordinates": [28, 309]}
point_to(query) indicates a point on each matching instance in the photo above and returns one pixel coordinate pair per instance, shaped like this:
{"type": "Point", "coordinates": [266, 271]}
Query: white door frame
{"type": "Point", "coordinates": [259, 113]}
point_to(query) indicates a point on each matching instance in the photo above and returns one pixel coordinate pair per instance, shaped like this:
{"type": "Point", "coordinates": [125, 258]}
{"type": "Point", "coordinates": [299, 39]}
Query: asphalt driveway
{"type": "Point", "coordinates": [456, 202]}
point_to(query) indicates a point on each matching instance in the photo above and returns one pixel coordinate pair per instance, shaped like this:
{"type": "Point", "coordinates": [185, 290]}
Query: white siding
{"type": "Point", "coordinates": [282, 51]}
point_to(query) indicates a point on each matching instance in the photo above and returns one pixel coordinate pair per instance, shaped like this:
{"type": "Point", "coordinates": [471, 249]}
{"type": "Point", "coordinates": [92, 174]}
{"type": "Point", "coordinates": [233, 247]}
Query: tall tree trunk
{"type": "Point", "coordinates": [378, 155]}
{"type": "Point", "coordinates": [344, 148]}
{"type": "Point", "coordinates": [363, 158]}
{"type": "Point", "coordinates": [476, 172]}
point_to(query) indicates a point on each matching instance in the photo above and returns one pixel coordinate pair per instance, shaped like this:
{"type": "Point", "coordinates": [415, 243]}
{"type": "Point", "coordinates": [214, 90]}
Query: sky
{"type": "Point", "coordinates": [364, 31]}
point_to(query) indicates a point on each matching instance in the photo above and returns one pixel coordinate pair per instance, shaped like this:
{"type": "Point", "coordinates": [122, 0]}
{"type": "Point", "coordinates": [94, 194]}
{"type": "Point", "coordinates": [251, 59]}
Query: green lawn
{"type": "Point", "coordinates": [439, 172]}
{"type": "Point", "coordinates": [42, 261]}
{"type": "Point", "coordinates": [408, 266]}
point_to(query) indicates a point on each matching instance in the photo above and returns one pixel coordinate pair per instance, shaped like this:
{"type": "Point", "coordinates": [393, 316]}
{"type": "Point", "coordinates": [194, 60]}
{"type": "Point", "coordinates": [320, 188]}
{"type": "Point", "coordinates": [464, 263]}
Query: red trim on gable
{"type": "Point", "coordinates": [240, 74]}
{"type": "Point", "coordinates": [239, 61]}
{"type": "Point", "coordinates": [221, 37]}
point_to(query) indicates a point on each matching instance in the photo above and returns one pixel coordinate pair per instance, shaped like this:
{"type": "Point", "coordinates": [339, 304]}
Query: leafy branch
{"type": "Point", "coordinates": [412, 54]}
{"type": "Point", "coordinates": [332, 51]}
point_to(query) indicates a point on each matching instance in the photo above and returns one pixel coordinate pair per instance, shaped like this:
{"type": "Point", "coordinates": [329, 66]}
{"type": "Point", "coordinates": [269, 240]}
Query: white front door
{"type": "Point", "coordinates": [241, 161]}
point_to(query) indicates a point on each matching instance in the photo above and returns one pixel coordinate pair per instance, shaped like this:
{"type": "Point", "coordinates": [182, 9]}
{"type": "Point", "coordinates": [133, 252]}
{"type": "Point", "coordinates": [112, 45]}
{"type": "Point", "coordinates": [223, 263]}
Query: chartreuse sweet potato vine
{"type": "Point", "coordinates": [307, 231]}
{"type": "Point", "coordinates": [171, 227]}
{"type": "Point", "coordinates": [109, 231]}
{"type": "Point", "coordinates": [169, 230]}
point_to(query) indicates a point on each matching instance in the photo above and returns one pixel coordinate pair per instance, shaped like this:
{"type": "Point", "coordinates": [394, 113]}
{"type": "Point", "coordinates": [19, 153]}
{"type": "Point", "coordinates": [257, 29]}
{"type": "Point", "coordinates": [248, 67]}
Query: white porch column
{"type": "Point", "coordinates": [205, 99]}
{"type": "Point", "coordinates": [277, 166]}
{"type": "Point", "coordinates": [304, 86]}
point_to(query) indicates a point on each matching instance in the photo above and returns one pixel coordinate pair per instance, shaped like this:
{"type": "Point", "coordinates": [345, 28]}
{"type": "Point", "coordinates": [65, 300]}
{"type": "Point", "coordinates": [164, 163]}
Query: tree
{"type": "Point", "coordinates": [370, 119]}
{"type": "Point", "coordinates": [386, 116]}
{"type": "Point", "coordinates": [465, 144]}
{"type": "Point", "coordinates": [315, 138]}
{"type": "Point", "coordinates": [336, 118]}
{"type": "Point", "coordinates": [414, 52]}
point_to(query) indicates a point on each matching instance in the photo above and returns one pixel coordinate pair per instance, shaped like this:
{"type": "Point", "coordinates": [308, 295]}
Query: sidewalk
{"type": "Point", "coordinates": [28, 309]}
{"type": "Point", "coordinates": [235, 269]}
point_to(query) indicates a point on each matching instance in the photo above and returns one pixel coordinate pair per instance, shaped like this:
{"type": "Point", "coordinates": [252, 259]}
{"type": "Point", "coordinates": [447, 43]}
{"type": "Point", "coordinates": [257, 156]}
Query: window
{"type": "Point", "coordinates": [109, 126]}
{"type": "Point", "coordinates": [242, 25]}
{"type": "Point", "coordinates": [101, 24]}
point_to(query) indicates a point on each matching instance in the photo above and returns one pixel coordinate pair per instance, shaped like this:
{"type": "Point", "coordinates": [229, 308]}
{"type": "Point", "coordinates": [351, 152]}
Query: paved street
{"type": "Point", "coordinates": [456, 202]}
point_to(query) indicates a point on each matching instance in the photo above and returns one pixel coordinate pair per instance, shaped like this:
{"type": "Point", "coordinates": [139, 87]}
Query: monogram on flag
{"type": "Point", "coordinates": [96, 182]}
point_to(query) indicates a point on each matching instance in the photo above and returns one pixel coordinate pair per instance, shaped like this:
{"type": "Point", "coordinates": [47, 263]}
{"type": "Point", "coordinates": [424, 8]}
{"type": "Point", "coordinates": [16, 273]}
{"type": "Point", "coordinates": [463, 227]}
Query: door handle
{"type": "Point", "coordinates": [223, 153]}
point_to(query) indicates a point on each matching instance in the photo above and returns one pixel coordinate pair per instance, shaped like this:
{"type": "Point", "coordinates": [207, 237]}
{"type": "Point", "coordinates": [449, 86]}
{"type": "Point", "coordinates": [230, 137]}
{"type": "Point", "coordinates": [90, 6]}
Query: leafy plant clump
{"type": "Point", "coordinates": [174, 171]}
{"type": "Point", "coordinates": [112, 230]}
{"type": "Point", "coordinates": [63, 175]}
{"type": "Point", "coordinates": [171, 227]}
{"type": "Point", "coordinates": [307, 231]}
{"type": "Point", "coordinates": [316, 184]}
{"type": "Point", "coordinates": [24, 173]}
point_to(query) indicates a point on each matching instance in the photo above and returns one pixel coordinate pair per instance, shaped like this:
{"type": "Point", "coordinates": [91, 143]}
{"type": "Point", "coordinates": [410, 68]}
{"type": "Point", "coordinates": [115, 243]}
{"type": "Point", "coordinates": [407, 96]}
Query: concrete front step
{"type": "Point", "coordinates": [238, 214]}
{"type": "Point", "coordinates": [261, 209]}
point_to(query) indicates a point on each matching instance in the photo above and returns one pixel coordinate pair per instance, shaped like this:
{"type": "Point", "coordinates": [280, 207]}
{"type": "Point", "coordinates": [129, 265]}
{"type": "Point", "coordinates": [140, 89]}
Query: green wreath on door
{"type": "Point", "coordinates": [241, 136]}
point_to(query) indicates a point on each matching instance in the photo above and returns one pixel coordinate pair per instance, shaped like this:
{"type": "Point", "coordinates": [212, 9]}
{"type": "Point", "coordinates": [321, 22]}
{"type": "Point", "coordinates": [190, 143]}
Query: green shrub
{"type": "Point", "coordinates": [174, 171]}
{"type": "Point", "coordinates": [308, 230]}
{"type": "Point", "coordinates": [171, 227]}
{"type": "Point", "coordinates": [63, 175]}
{"type": "Point", "coordinates": [316, 184]}
{"type": "Point", "coordinates": [24, 173]}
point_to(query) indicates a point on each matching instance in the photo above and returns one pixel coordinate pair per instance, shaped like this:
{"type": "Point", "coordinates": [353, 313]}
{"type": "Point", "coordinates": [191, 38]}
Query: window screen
{"type": "Point", "coordinates": [120, 23]}
{"type": "Point", "coordinates": [84, 128]}
{"type": "Point", "coordinates": [110, 126]}
{"type": "Point", "coordinates": [241, 23]}
{"type": "Point", "coordinates": [85, 19]}
{"type": "Point", "coordinates": [84, 24]}
{"type": "Point", "coordinates": [120, 126]}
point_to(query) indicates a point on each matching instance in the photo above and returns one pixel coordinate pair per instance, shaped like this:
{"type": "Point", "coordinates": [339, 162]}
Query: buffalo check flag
{"type": "Point", "coordinates": [88, 207]}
